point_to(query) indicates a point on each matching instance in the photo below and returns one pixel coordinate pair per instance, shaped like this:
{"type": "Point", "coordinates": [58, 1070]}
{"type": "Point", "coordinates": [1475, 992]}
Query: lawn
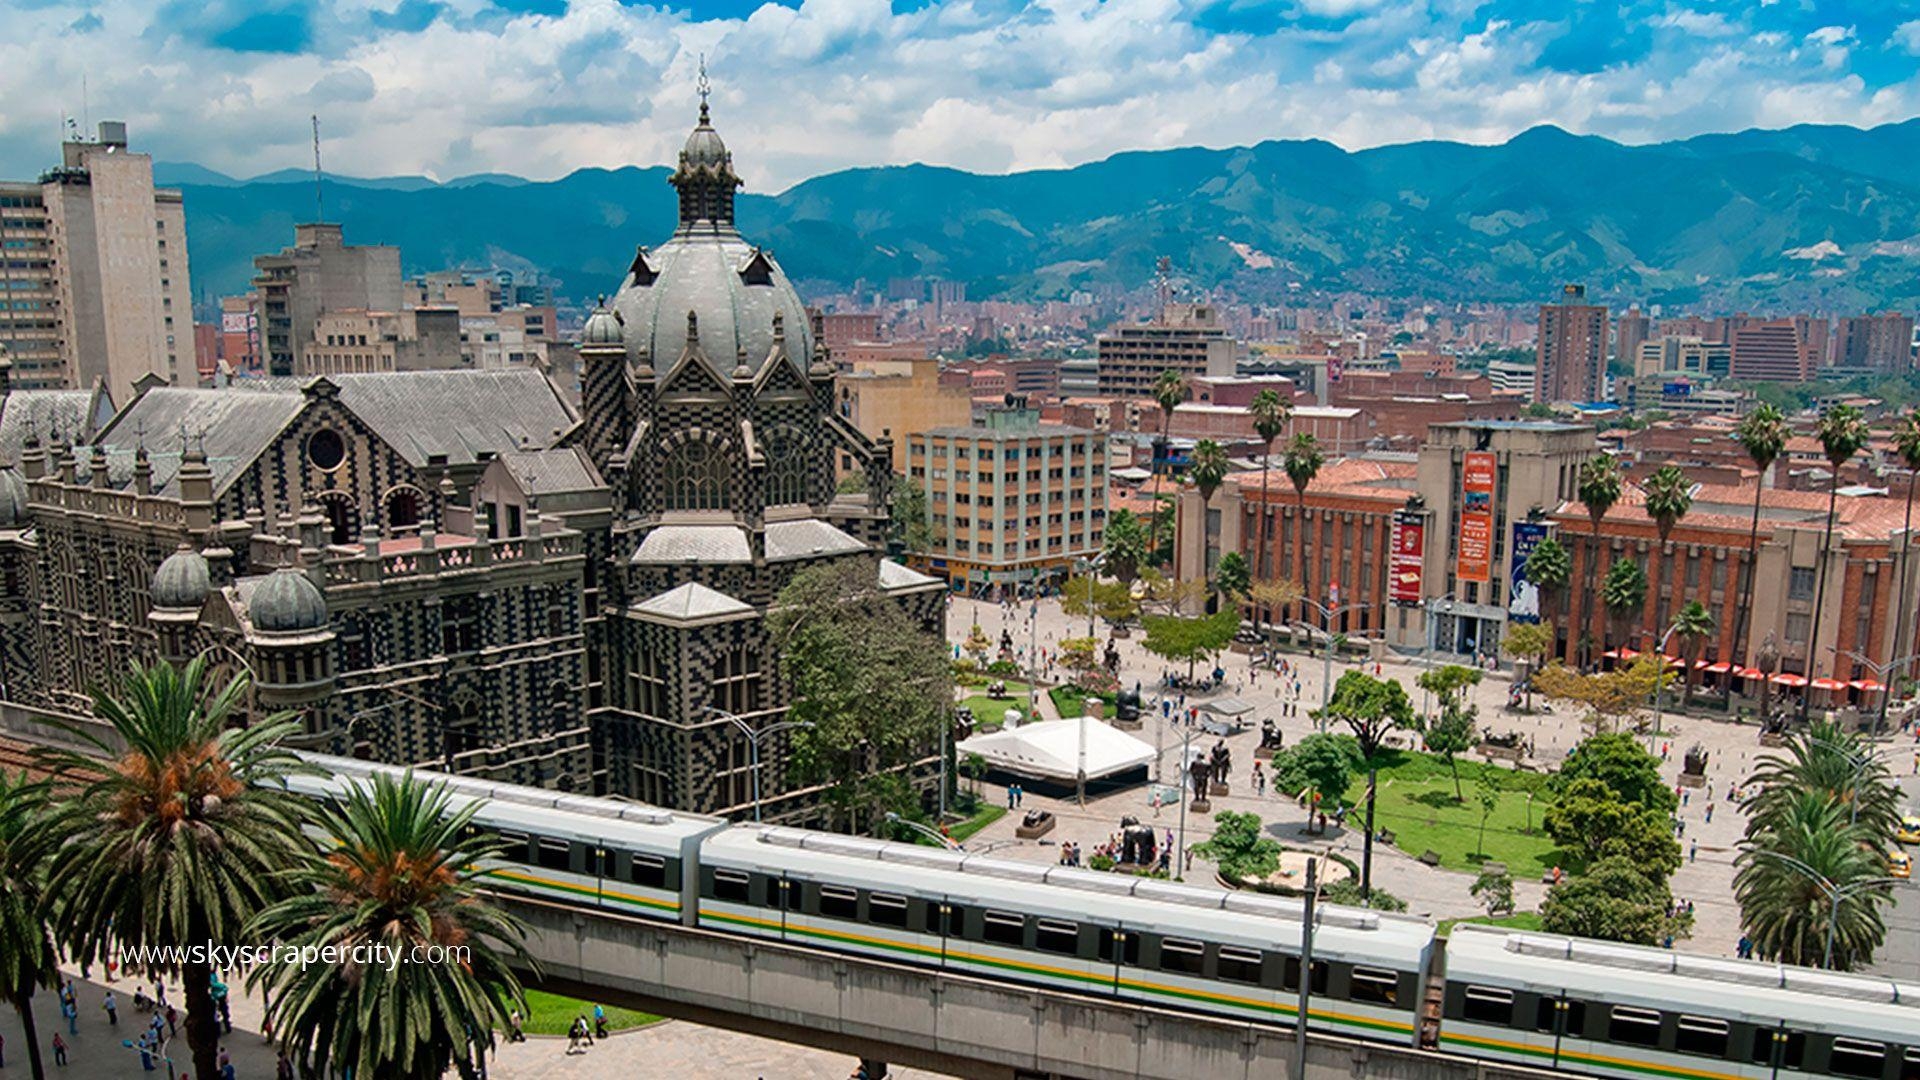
{"type": "Point", "coordinates": [1519, 920]}
{"type": "Point", "coordinates": [1417, 802]}
{"type": "Point", "coordinates": [988, 712]}
{"type": "Point", "coordinates": [550, 1014]}
{"type": "Point", "coordinates": [986, 814]}
{"type": "Point", "coordinates": [1071, 702]}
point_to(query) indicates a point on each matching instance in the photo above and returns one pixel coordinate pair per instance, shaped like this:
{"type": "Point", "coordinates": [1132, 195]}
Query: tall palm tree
{"type": "Point", "coordinates": [1600, 485]}
{"type": "Point", "coordinates": [1302, 462]}
{"type": "Point", "coordinates": [1208, 468]}
{"type": "Point", "coordinates": [1786, 913]}
{"type": "Point", "coordinates": [27, 959]}
{"type": "Point", "coordinates": [1549, 568]}
{"type": "Point", "coordinates": [1842, 433]}
{"type": "Point", "coordinates": [400, 868]}
{"type": "Point", "coordinates": [1841, 768]}
{"type": "Point", "coordinates": [1906, 446]}
{"type": "Point", "coordinates": [1763, 434]}
{"type": "Point", "coordinates": [1169, 390]}
{"type": "Point", "coordinates": [1669, 497]}
{"type": "Point", "coordinates": [1624, 594]}
{"type": "Point", "coordinates": [181, 837]}
{"type": "Point", "coordinates": [1125, 545]}
{"type": "Point", "coordinates": [1692, 625]}
{"type": "Point", "coordinates": [1271, 414]}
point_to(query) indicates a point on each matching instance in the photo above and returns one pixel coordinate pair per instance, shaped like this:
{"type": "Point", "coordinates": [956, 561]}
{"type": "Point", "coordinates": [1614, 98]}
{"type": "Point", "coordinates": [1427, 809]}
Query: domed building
{"type": "Point", "coordinates": [708, 408]}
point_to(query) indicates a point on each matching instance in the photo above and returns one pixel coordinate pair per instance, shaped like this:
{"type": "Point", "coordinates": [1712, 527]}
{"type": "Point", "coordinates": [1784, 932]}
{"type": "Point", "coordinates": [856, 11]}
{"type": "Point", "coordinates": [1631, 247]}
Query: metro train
{"type": "Point", "coordinates": [1582, 1007]}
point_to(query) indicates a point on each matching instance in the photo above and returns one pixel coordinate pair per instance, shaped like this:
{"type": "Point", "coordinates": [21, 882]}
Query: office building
{"type": "Point", "coordinates": [318, 274]}
{"type": "Point", "coordinates": [1882, 342]}
{"type": "Point", "coordinates": [1675, 355]}
{"type": "Point", "coordinates": [892, 399]}
{"type": "Point", "coordinates": [1629, 331]}
{"type": "Point", "coordinates": [1774, 350]}
{"type": "Point", "coordinates": [1187, 338]}
{"type": "Point", "coordinates": [1570, 352]}
{"type": "Point", "coordinates": [93, 283]}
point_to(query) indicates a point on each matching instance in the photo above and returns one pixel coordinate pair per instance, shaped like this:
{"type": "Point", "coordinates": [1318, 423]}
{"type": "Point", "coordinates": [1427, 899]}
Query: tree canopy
{"type": "Point", "coordinates": [1613, 901]}
{"type": "Point", "coordinates": [1239, 848]}
{"type": "Point", "coordinates": [1370, 708]}
{"type": "Point", "coordinates": [1178, 638]}
{"type": "Point", "coordinates": [1611, 697]}
{"type": "Point", "coordinates": [1321, 763]}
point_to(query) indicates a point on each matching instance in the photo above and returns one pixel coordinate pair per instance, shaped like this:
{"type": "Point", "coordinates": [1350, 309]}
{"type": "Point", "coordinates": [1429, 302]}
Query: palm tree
{"type": "Point", "coordinates": [27, 959]}
{"type": "Point", "coordinates": [1169, 390]}
{"type": "Point", "coordinates": [1787, 914]}
{"type": "Point", "coordinates": [1208, 468]}
{"type": "Point", "coordinates": [1906, 446]}
{"type": "Point", "coordinates": [1624, 594]}
{"type": "Point", "coordinates": [1763, 434]}
{"type": "Point", "coordinates": [179, 836]}
{"type": "Point", "coordinates": [1549, 567]}
{"type": "Point", "coordinates": [1669, 497]}
{"type": "Point", "coordinates": [1839, 766]}
{"type": "Point", "coordinates": [1125, 546]}
{"type": "Point", "coordinates": [1599, 489]}
{"type": "Point", "coordinates": [1842, 433]}
{"type": "Point", "coordinates": [1271, 413]}
{"type": "Point", "coordinates": [1692, 624]}
{"type": "Point", "coordinates": [401, 869]}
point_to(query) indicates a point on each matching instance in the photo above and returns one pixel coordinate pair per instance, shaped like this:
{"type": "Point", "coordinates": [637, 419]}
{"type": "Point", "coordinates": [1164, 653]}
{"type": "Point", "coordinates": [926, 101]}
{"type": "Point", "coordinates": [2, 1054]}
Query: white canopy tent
{"type": "Point", "coordinates": [1051, 749]}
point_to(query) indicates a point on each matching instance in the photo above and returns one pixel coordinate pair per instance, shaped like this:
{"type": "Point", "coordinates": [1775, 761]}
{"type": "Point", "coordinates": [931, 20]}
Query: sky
{"type": "Point", "coordinates": [538, 88]}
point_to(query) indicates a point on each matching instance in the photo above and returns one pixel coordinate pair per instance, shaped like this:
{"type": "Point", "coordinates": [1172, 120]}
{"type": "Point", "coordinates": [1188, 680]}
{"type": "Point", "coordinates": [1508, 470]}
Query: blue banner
{"type": "Point", "coordinates": [1524, 605]}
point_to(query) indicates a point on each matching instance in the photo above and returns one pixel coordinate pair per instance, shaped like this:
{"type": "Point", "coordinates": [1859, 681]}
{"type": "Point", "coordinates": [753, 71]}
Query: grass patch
{"type": "Point", "coordinates": [988, 712]}
{"type": "Point", "coordinates": [1519, 920]}
{"type": "Point", "coordinates": [1417, 802]}
{"type": "Point", "coordinates": [551, 1014]}
{"type": "Point", "coordinates": [1072, 701]}
{"type": "Point", "coordinates": [986, 814]}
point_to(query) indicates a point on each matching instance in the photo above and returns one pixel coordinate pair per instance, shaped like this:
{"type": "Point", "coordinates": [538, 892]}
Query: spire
{"type": "Point", "coordinates": [706, 88]}
{"type": "Point", "coordinates": [705, 178]}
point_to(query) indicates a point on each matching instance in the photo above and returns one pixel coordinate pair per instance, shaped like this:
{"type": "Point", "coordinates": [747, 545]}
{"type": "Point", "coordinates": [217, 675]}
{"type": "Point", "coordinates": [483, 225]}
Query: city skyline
{"type": "Point", "coordinates": [539, 89]}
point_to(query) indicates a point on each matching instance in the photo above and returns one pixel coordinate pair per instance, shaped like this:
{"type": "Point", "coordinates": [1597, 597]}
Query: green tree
{"type": "Point", "coordinates": [176, 831]}
{"type": "Point", "coordinates": [912, 524]}
{"type": "Point", "coordinates": [1599, 488]}
{"type": "Point", "coordinates": [1842, 432]}
{"type": "Point", "coordinates": [1494, 889]}
{"type": "Point", "coordinates": [1169, 390]}
{"type": "Point", "coordinates": [1231, 577]}
{"type": "Point", "coordinates": [1239, 848]}
{"type": "Point", "coordinates": [1318, 764]}
{"type": "Point", "coordinates": [1453, 732]}
{"type": "Point", "coordinates": [1624, 766]}
{"type": "Point", "coordinates": [1692, 624]}
{"type": "Point", "coordinates": [1550, 568]}
{"type": "Point", "coordinates": [1347, 893]}
{"type": "Point", "coordinates": [1301, 462]}
{"type": "Point", "coordinates": [1763, 434]}
{"type": "Point", "coordinates": [1612, 697]}
{"type": "Point", "coordinates": [1208, 467]}
{"type": "Point", "coordinates": [1125, 545]}
{"type": "Point", "coordinates": [27, 958]}
{"type": "Point", "coordinates": [1838, 766]}
{"type": "Point", "coordinates": [1624, 594]}
{"type": "Point", "coordinates": [1588, 818]}
{"type": "Point", "coordinates": [399, 868]}
{"type": "Point", "coordinates": [1529, 643]}
{"type": "Point", "coordinates": [1370, 708]}
{"type": "Point", "coordinates": [1613, 901]}
{"type": "Point", "coordinates": [872, 681]}
{"type": "Point", "coordinates": [1488, 789]}
{"type": "Point", "coordinates": [1906, 446]}
{"type": "Point", "coordinates": [1806, 874]}
{"type": "Point", "coordinates": [1271, 414]}
{"type": "Point", "coordinates": [1669, 497]}
{"type": "Point", "coordinates": [1175, 638]}
{"type": "Point", "coordinates": [1112, 600]}
{"type": "Point", "coordinates": [1268, 596]}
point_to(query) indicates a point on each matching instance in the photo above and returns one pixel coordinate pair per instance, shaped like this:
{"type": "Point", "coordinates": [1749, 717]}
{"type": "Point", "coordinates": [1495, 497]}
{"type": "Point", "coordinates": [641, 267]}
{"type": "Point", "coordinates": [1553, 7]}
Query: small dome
{"type": "Point", "coordinates": [287, 602]}
{"type": "Point", "coordinates": [704, 147]}
{"type": "Point", "coordinates": [13, 492]}
{"type": "Point", "coordinates": [182, 582]}
{"type": "Point", "coordinates": [602, 329]}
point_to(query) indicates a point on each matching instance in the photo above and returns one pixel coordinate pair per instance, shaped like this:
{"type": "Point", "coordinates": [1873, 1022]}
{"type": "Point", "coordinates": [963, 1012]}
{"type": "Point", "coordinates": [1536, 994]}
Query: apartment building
{"type": "Point", "coordinates": [1189, 339]}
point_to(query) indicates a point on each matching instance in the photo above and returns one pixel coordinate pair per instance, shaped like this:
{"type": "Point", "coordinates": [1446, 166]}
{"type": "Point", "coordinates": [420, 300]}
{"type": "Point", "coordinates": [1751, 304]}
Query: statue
{"type": "Point", "coordinates": [1136, 842]}
{"type": "Point", "coordinates": [1271, 737]}
{"type": "Point", "coordinates": [1127, 705]}
{"type": "Point", "coordinates": [1197, 773]}
{"type": "Point", "coordinates": [1113, 658]}
{"type": "Point", "coordinates": [1220, 762]}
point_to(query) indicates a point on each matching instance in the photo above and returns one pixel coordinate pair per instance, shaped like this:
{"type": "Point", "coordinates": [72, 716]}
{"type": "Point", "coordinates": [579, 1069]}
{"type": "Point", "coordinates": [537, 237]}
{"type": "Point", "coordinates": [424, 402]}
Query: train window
{"type": "Point", "coordinates": [1239, 965]}
{"type": "Point", "coordinates": [1855, 1057]}
{"type": "Point", "coordinates": [552, 854]}
{"type": "Point", "coordinates": [1910, 1065]}
{"type": "Point", "coordinates": [1560, 1015]}
{"type": "Point", "coordinates": [1700, 1035]}
{"type": "Point", "coordinates": [1291, 975]}
{"type": "Point", "coordinates": [1641, 1027]}
{"type": "Point", "coordinates": [1186, 957]}
{"type": "Point", "coordinates": [648, 870]}
{"type": "Point", "coordinates": [1792, 1054]}
{"type": "Point", "coordinates": [940, 917]}
{"type": "Point", "coordinates": [886, 909]}
{"type": "Point", "coordinates": [733, 886]}
{"type": "Point", "coordinates": [1129, 951]}
{"type": "Point", "coordinates": [839, 903]}
{"type": "Point", "coordinates": [1376, 985]}
{"type": "Point", "coordinates": [513, 846]}
{"type": "Point", "coordinates": [1005, 928]}
{"type": "Point", "coordinates": [1055, 936]}
{"type": "Point", "coordinates": [1489, 1005]}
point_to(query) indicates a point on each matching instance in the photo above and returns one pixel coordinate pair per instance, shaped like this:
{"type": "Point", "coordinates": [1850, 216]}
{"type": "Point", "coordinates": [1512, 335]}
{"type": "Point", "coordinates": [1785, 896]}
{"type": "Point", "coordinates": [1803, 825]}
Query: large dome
{"type": "Point", "coordinates": [734, 291]}
{"type": "Point", "coordinates": [287, 601]}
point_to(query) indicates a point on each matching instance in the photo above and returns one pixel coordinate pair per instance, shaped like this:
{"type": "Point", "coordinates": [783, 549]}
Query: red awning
{"type": "Point", "coordinates": [1751, 673]}
{"type": "Point", "coordinates": [1720, 668]}
{"type": "Point", "coordinates": [1788, 678]}
{"type": "Point", "coordinates": [1674, 661]}
{"type": "Point", "coordinates": [1628, 654]}
{"type": "Point", "coordinates": [1828, 684]}
{"type": "Point", "coordinates": [1867, 685]}
{"type": "Point", "coordinates": [1610, 654]}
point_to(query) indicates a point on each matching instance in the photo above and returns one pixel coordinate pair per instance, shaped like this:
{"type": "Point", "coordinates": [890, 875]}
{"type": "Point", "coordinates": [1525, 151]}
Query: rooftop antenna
{"type": "Point", "coordinates": [706, 88]}
{"type": "Point", "coordinates": [319, 191]}
{"type": "Point", "coordinates": [1163, 283]}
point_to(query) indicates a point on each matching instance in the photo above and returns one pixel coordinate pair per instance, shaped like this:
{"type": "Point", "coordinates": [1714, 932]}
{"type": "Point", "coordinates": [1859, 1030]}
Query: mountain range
{"type": "Point", "coordinates": [1819, 217]}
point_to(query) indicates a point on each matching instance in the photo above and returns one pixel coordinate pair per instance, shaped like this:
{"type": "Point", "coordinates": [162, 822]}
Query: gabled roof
{"type": "Point", "coordinates": [458, 413]}
{"type": "Point", "coordinates": [694, 543]}
{"type": "Point", "coordinates": [75, 415]}
{"type": "Point", "coordinates": [807, 538]}
{"type": "Point", "coordinates": [234, 427]}
{"type": "Point", "coordinates": [551, 472]}
{"type": "Point", "coordinates": [692, 602]}
{"type": "Point", "coordinates": [897, 578]}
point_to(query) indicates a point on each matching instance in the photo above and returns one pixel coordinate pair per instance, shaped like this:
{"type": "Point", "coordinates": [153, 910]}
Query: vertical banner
{"type": "Point", "coordinates": [1525, 603]}
{"type": "Point", "coordinates": [1476, 518]}
{"type": "Point", "coordinates": [1406, 559]}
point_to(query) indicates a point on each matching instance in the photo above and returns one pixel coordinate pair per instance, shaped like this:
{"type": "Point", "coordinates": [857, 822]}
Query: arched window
{"type": "Point", "coordinates": [696, 477]}
{"type": "Point", "coordinates": [403, 509]}
{"type": "Point", "coordinates": [343, 518]}
{"type": "Point", "coordinates": [787, 460]}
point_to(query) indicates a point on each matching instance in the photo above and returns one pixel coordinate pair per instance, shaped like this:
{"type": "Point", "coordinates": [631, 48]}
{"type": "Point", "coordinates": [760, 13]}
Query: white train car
{"type": "Point", "coordinates": [1178, 946]}
{"type": "Point", "coordinates": [1611, 1010]}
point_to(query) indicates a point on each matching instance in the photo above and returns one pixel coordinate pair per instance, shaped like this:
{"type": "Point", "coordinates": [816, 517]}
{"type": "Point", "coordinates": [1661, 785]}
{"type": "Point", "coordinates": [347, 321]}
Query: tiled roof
{"type": "Point", "coordinates": [694, 543]}
{"type": "Point", "coordinates": [551, 472]}
{"type": "Point", "coordinates": [806, 538]}
{"type": "Point", "coordinates": [895, 576]}
{"type": "Point", "coordinates": [71, 414]}
{"type": "Point", "coordinates": [235, 429]}
{"type": "Point", "coordinates": [690, 602]}
{"type": "Point", "coordinates": [458, 413]}
{"type": "Point", "coordinates": [1345, 476]}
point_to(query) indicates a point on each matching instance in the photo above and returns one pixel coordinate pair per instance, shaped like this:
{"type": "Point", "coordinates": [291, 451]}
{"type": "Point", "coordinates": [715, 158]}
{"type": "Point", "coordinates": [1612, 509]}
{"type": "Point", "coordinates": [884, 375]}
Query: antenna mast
{"type": "Point", "coordinates": [319, 191]}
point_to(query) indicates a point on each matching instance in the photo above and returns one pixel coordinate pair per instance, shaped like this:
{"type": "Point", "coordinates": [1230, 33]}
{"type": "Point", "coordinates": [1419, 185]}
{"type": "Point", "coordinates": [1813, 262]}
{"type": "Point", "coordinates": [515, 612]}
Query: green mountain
{"type": "Point", "coordinates": [1819, 217]}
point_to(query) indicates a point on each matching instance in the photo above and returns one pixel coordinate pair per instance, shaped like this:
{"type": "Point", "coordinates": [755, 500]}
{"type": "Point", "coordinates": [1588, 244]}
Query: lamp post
{"type": "Point", "coordinates": [1881, 672]}
{"type": "Point", "coordinates": [1088, 567]}
{"type": "Point", "coordinates": [933, 834]}
{"type": "Point", "coordinates": [1306, 969]}
{"type": "Point", "coordinates": [753, 735]}
{"type": "Point", "coordinates": [1834, 893]}
{"type": "Point", "coordinates": [1327, 613]}
{"type": "Point", "coordinates": [1426, 695]}
{"type": "Point", "coordinates": [1659, 679]}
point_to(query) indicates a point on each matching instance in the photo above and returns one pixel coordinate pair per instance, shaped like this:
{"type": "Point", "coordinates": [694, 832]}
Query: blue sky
{"type": "Point", "coordinates": [540, 87]}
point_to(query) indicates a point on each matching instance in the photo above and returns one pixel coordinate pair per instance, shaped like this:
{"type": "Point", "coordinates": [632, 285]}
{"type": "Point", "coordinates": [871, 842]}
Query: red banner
{"type": "Point", "coordinates": [1407, 559]}
{"type": "Point", "coordinates": [1476, 518]}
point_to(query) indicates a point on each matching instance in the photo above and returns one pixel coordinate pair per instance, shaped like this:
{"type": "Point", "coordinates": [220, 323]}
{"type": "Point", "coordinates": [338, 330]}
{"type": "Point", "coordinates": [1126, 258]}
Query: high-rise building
{"type": "Point", "coordinates": [1570, 351]}
{"type": "Point", "coordinates": [1189, 339]}
{"type": "Point", "coordinates": [1775, 350]}
{"type": "Point", "coordinates": [318, 274]}
{"type": "Point", "coordinates": [95, 271]}
{"type": "Point", "coordinates": [1882, 342]}
{"type": "Point", "coordinates": [1629, 331]}
{"type": "Point", "coordinates": [1673, 354]}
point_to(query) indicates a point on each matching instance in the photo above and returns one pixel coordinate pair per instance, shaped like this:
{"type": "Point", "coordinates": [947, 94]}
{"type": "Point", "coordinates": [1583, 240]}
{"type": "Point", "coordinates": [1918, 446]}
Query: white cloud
{"type": "Point", "coordinates": [1907, 35]}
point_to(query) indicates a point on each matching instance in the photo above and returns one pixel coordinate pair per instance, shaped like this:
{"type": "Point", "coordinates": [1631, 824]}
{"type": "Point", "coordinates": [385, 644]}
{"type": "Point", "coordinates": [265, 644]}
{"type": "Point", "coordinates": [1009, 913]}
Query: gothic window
{"type": "Point", "coordinates": [403, 509]}
{"type": "Point", "coordinates": [696, 477]}
{"type": "Point", "coordinates": [463, 728]}
{"type": "Point", "coordinates": [343, 518]}
{"type": "Point", "coordinates": [459, 625]}
{"type": "Point", "coordinates": [787, 460]}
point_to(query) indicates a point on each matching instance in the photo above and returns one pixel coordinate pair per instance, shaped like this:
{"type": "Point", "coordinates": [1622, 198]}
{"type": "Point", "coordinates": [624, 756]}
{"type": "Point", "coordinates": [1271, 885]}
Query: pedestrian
{"type": "Point", "coordinates": [573, 1035]}
{"type": "Point", "coordinates": [113, 1012]}
{"type": "Point", "coordinates": [73, 1017]}
{"type": "Point", "coordinates": [59, 1050]}
{"type": "Point", "coordinates": [146, 1055]}
{"type": "Point", "coordinates": [1685, 797]}
{"type": "Point", "coordinates": [173, 1017]}
{"type": "Point", "coordinates": [514, 1031]}
{"type": "Point", "coordinates": [1693, 850]}
{"type": "Point", "coordinates": [160, 993]}
{"type": "Point", "coordinates": [1709, 813]}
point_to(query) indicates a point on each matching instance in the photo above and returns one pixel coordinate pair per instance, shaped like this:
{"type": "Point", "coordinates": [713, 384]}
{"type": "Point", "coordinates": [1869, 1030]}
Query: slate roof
{"type": "Point", "coordinates": [703, 273]}
{"type": "Point", "coordinates": [551, 472]}
{"type": "Point", "coordinates": [458, 413]}
{"type": "Point", "coordinates": [695, 543]}
{"type": "Point", "coordinates": [807, 538]}
{"type": "Point", "coordinates": [894, 577]}
{"type": "Point", "coordinates": [76, 415]}
{"type": "Point", "coordinates": [691, 602]}
{"type": "Point", "coordinates": [238, 427]}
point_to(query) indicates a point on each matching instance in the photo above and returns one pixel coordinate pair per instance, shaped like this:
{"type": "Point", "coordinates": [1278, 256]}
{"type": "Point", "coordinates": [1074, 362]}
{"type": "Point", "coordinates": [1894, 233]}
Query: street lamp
{"type": "Point", "coordinates": [933, 834]}
{"type": "Point", "coordinates": [1881, 673]}
{"type": "Point", "coordinates": [1860, 762]}
{"type": "Point", "coordinates": [1087, 567]}
{"type": "Point", "coordinates": [1327, 614]}
{"type": "Point", "coordinates": [1660, 651]}
{"type": "Point", "coordinates": [753, 735]}
{"type": "Point", "coordinates": [1834, 893]}
{"type": "Point", "coordinates": [1431, 645]}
